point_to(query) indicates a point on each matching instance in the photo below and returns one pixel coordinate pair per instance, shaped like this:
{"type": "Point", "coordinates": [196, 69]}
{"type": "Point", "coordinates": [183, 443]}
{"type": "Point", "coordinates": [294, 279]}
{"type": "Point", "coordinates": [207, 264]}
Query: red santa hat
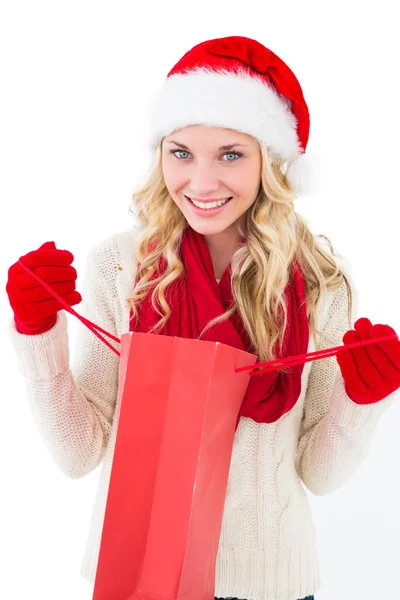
{"type": "Point", "coordinates": [237, 83]}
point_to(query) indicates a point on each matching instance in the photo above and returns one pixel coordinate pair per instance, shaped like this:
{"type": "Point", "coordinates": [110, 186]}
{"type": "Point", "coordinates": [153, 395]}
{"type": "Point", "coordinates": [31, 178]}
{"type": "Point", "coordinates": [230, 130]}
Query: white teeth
{"type": "Point", "coordinates": [209, 205]}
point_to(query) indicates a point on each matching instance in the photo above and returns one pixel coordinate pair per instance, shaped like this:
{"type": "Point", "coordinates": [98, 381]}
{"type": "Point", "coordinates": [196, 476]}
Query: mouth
{"type": "Point", "coordinates": [208, 207]}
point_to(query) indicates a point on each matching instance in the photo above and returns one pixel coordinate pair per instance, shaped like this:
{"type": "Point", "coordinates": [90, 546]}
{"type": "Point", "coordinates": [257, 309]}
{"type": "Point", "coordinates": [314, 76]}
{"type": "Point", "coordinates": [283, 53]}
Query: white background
{"type": "Point", "coordinates": [77, 79]}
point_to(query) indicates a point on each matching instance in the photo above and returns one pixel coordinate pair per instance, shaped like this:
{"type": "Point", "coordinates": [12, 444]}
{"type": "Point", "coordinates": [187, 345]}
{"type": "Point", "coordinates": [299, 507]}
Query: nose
{"type": "Point", "coordinates": [204, 182]}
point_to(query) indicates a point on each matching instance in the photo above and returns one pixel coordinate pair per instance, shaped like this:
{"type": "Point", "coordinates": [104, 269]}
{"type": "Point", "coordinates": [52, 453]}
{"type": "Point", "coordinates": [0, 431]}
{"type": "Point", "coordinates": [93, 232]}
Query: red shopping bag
{"type": "Point", "coordinates": [177, 409]}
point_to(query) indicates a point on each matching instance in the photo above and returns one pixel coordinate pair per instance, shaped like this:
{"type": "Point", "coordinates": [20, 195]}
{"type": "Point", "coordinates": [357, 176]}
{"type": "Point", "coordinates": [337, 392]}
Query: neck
{"type": "Point", "coordinates": [222, 246]}
{"type": "Point", "coordinates": [229, 238]}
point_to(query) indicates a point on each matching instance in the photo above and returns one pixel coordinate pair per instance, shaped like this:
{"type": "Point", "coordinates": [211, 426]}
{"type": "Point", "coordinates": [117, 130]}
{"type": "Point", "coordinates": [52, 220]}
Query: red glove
{"type": "Point", "coordinates": [370, 372]}
{"type": "Point", "coordinates": [35, 309]}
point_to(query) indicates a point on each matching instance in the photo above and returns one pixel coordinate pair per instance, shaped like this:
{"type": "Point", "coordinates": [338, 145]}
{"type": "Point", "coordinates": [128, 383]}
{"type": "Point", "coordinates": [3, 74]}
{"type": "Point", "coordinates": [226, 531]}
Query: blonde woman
{"type": "Point", "coordinates": [220, 254]}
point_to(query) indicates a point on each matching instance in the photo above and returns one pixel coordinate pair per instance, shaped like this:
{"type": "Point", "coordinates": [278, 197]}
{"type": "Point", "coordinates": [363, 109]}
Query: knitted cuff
{"type": "Point", "coordinates": [45, 355]}
{"type": "Point", "coordinates": [349, 414]}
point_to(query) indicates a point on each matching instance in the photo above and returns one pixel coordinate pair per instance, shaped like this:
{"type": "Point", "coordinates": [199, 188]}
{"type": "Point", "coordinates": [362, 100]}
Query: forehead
{"type": "Point", "coordinates": [208, 137]}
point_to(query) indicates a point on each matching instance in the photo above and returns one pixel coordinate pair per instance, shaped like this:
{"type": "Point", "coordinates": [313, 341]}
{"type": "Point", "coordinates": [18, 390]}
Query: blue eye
{"type": "Point", "coordinates": [175, 151]}
{"type": "Point", "coordinates": [237, 154]}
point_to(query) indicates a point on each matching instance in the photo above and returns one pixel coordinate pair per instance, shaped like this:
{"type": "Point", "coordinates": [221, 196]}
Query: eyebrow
{"type": "Point", "coordinates": [226, 147]}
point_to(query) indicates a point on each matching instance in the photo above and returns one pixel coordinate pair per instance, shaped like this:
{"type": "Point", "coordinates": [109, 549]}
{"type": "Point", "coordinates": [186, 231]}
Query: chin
{"type": "Point", "coordinates": [207, 228]}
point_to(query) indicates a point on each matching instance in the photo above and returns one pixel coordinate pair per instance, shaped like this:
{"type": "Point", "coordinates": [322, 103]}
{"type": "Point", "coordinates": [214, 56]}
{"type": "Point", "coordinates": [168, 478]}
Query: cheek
{"type": "Point", "coordinates": [243, 184]}
{"type": "Point", "coordinates": [251, 181]}
{"type": "Point", "coordinates": [172, 177]}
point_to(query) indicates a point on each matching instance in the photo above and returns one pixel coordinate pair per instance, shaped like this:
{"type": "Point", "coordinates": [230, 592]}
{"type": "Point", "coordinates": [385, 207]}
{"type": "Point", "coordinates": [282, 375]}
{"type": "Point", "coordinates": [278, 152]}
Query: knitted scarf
{"type": "Point", "coordinates": [196, 297]}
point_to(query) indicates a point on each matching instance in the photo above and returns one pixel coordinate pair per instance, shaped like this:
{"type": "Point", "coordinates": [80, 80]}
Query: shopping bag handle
{"type": "Point", "coordinates": [290, 361]}
{"type": "Point", "coordinates": [89, 324]}
{"type": "Point", "coordinates": [270, 365]}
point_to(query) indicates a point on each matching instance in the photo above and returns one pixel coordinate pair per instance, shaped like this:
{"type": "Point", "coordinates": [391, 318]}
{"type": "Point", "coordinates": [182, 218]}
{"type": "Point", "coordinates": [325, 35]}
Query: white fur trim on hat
{"type": "Point", "coordinates": [300, 174]}
{"type": "Point", "coordinates": [226, 99]}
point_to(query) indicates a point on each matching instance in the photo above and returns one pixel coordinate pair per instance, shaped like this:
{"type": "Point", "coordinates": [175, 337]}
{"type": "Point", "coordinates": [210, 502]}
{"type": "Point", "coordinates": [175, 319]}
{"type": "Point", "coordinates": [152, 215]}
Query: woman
{"type": "Point", "coordinates": [218, 232]}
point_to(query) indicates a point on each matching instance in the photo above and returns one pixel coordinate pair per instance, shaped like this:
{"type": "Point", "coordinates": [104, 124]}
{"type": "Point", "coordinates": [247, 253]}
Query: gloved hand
{"type": "Point", "coordinates": [370, 372]}
{"type": "Point", "coordinates": [35, 309]}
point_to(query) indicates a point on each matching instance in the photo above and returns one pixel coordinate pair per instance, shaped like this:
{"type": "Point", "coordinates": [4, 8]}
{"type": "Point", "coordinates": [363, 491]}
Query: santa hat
{"type": "Point", "coordinates": [237, 83]}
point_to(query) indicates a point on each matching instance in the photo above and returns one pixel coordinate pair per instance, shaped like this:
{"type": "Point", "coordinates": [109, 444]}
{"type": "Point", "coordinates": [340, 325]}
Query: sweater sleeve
{"type": "Point", "coordinates": [73, 407]}
{"type": "Point", "coordinates": [335, 432]}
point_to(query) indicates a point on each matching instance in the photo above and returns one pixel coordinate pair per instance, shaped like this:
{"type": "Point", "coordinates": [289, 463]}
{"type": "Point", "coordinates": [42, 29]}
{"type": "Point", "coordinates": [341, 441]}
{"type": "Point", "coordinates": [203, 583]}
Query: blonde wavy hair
{"type": "Point", "coordinates": [275, 233]}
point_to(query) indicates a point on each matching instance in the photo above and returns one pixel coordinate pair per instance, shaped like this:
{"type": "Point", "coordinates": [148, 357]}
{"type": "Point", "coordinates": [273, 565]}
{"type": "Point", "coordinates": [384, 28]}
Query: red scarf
{"type": "Point", "coordinates": [197, 298]}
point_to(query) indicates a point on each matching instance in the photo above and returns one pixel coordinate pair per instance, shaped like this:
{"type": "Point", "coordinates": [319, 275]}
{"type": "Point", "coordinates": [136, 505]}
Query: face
{"type": "Point", "coordinates": [209, 164]}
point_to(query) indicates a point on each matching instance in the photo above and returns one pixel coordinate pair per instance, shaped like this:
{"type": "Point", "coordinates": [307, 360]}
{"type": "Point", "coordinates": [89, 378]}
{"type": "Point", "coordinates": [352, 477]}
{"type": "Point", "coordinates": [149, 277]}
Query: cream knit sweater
{"type": "Point", "coordinates": [267, 547]}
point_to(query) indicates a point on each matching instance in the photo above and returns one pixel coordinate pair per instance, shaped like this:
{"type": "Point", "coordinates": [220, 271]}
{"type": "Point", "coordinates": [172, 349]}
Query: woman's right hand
{"type": "Point", "coordinates": [35, 309]}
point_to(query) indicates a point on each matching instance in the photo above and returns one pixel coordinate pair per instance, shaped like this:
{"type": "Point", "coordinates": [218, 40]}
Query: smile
{"type": "Point", "coordinates": [208, 206]}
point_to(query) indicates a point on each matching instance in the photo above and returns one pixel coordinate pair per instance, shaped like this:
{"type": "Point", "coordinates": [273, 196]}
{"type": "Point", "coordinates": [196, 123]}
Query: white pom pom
{"type": "Point", "coordinates": [301, 176]}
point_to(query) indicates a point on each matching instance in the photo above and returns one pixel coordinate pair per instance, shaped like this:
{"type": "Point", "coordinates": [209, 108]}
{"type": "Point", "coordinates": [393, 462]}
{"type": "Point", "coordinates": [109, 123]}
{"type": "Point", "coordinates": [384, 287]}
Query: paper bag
{"type": "Point", "coordinates": [176, 414]}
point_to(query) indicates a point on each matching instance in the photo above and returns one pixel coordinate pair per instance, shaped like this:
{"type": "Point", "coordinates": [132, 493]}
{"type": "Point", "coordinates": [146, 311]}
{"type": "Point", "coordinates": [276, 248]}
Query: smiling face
{"type": "Point", "coordinates": [209, 163]}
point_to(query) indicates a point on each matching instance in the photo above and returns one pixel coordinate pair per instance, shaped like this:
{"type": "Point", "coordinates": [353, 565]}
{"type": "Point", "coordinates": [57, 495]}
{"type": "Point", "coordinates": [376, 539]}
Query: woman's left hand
{"type": "Point", "coordinates": [370, 372]}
